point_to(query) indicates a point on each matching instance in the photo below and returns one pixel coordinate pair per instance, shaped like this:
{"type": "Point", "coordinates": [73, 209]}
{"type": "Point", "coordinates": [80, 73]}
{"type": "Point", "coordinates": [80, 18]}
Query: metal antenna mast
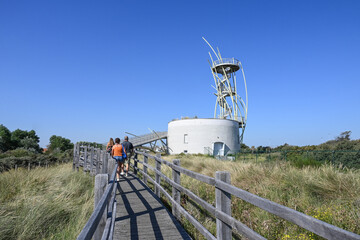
{"type": "Point", "coordinates": [229, 105]}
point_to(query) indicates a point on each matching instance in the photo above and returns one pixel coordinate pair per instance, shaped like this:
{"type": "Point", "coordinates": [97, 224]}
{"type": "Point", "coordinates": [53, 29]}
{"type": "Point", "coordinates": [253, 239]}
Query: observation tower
{"type": "Point", "coordinates": [218, 136]}
{"type": "Point", "coordinates": [229, 105]}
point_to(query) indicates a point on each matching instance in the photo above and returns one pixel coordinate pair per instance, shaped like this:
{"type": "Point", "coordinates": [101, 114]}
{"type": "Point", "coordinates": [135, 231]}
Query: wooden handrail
{"type": "Point", "coordinates": [309, 223]}
{"type": "Point", "coordinates": [94, 219]}
{"type": "Point", "coordinates": [107, 202]}
{"type": "Point", "coordinates": [225, 220]}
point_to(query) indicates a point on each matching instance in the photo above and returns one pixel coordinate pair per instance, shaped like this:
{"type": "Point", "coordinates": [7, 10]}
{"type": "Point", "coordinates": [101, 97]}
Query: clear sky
{"type": "Point", "coordinates": [90, 70]}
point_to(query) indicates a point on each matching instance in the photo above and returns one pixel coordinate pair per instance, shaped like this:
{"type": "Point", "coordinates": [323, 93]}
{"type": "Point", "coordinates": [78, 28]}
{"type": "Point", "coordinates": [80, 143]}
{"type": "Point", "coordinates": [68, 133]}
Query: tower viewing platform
{"type": "Point", "coordinates": [230, 65]}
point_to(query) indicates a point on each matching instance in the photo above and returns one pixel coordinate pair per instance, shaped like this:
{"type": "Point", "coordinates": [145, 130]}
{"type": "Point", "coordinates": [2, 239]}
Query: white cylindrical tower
{"type": "Point", "coordinates": [217, 137]}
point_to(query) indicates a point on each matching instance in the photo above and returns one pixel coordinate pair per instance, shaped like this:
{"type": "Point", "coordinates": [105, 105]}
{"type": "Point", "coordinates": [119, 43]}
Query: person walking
{"type": "Point", "coordinates": [109, 145]}
{"type": "Point", "coordinates": [117, 153]}
{"type": "Point", "coordinates": [129, 152]}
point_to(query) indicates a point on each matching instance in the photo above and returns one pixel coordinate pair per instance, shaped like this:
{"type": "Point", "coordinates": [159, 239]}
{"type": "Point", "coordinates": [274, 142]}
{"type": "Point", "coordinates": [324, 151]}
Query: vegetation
{"type": "Point", "coordinates": [325, 192]}
{"type": "Point", "coordinates": [35, 203]}
{"type": "Point", "coordinates": [18, 139]}
{"type": "Point", "coordinates": [342, 151]}
{"type": "Point", "coordinates": [44, 203]}
{"type": "Point", "coordinates": [93, 144]}
{"type": "Point", "coordinates": [58, 143]}
{"type": "Point", "coordinates": [21, 148]}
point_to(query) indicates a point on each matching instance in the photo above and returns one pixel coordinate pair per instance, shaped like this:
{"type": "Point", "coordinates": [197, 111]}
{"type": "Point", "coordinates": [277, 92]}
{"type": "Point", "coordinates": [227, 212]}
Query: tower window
{"type": "Point", "coordinates": [185, 138]}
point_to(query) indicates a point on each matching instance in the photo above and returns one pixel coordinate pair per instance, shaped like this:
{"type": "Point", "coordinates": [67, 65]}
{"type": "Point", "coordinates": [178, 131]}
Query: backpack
{"type": "Point", "coordinates": [123, 152]}
{"type": "Point", "coordinates": [109, 148]}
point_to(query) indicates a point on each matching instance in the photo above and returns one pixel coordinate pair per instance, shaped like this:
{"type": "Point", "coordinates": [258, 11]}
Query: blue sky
{"type": "Point", "coordinates": [90, 70]}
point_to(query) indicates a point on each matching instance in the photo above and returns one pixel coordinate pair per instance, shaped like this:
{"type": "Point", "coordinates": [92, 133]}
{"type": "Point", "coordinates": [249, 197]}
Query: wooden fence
{"type": "Point", "coordinates": [225, 223]}
{"type": "Point", "coordinates": [93, 160]}
{"type": "Point", "coordinates": [96, 162]}
{"type": "Point", "coordinates": [101, 222]}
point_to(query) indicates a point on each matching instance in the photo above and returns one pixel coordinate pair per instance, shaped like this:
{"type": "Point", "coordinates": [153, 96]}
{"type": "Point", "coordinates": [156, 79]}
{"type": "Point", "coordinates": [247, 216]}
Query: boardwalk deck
{"type": "Point", "coordinates": [141, 215]}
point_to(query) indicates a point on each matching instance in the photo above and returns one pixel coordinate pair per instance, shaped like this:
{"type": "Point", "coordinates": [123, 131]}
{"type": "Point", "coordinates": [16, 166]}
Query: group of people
{"type": "Point", "coordinates": [122, 154]}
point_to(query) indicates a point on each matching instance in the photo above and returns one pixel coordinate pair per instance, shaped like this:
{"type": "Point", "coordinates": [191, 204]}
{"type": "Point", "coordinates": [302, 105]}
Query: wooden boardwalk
{"type": "Point", "coordinates": [141, 215]}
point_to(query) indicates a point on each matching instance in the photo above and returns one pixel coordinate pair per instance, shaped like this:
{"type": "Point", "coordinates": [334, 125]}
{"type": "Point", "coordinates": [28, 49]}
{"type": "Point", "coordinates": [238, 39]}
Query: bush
{"type": "Point", "coordinates": [301, 162]}
{"type": "Point", "coordinates": [59, 143]}
{"type": "Point", "coordinates": [22, 157]}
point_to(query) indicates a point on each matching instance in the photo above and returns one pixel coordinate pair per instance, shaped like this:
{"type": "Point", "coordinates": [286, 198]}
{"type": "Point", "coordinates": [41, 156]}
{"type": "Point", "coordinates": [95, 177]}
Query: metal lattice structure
{"type": "Point", "coordinates": [151, 140]}
{"type": "Point", "coordinates": [229, 105]}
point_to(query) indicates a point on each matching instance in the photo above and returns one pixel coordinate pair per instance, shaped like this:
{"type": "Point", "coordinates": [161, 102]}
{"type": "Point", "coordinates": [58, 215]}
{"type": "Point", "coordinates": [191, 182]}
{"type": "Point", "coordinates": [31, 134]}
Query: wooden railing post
{"type": "Point", "coordinates": [85, 159]}
{"type": "Point", "coordinates": [110, 163]}
{"type": "Point", "coordinates": [175, 192]}
{"type": "Point", "coordinates": [101, 181]}
{"type": "Point", "coordinates": [104, 162]}
{"type": "Point", "coordinates": [75, 158]}
{"type": "Point", "coordinates": [135, 164]}
{"type": "Point", "coordinates": [78, 157]}
{"type": "Point", "coordinates": [157, 176]}
{"type": "Point", "coordinates": [223, 204]}
{"type": "Point", "coordinates": [145, 169]}
{"type": "Point", "coordinates": [98, 151]}
{"type": "Point", "coordinates": [91, 161]}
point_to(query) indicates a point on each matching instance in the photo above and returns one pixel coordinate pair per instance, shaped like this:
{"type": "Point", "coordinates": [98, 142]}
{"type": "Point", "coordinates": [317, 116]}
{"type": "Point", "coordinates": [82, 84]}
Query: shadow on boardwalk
{"type": "Point", "coordinates": [141, 215]}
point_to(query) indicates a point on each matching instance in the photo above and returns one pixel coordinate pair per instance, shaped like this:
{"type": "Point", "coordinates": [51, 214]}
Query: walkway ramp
{"type": "Point", "coordinates": [147, 138]}
{"type": "Point", "coordinates": [141, 215]}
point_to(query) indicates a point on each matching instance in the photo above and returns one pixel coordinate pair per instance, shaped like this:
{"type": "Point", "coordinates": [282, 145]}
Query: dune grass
{"type": "Point", "coordinates": [325, 192]}
{"type": "Point", "coordinates": [55, 202]}
{"type": "Point", "coordinates": [44, 203]}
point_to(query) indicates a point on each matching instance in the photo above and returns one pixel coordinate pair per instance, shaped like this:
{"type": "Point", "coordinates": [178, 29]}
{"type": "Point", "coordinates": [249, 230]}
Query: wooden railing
{"type": "Point", "coordinates": [96, 162]}
{"type": "Point", "coordinates": [225, 223]}
{"type": "Point", "coordinates": [93, 160]}
{"type": "Point", "coordinates": [101, 222]}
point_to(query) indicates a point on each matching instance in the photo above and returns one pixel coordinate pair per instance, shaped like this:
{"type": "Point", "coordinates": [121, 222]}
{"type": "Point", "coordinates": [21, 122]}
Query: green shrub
{"type": "Point", "coordinates": [301, 162]}
{"type": "Point", "coordinates": [23, 157]}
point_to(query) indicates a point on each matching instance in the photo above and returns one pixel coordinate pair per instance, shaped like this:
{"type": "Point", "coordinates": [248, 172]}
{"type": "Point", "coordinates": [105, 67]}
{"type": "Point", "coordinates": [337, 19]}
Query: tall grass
{"type": "Point", "coordinates": [44, 203]}
{"type": "Point", "coordinates": [324, 192]}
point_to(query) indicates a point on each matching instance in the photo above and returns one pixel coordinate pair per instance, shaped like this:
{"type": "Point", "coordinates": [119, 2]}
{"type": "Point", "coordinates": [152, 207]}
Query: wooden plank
{"type": "Point", "coordinates": [78, 158]}
{"type": "Point", "coordinates": [74, 157]}
{"type": "Point", "coordinates": [135, 164]}
{"type": "Point", "coordinates": [145, 169]}
{"type": "Point", "coordinates": [113, 217]}
{"type": "Point", "coordinates": [85, 159]}
{"type": "Point", "coordinates": [175, 192]}
{"type": "Point", "coordinates": [91, 168]}
{"type": "Point", "coordinates": [101, 182]}
{"type": "Point", "coordinates": [98, 160]}
{"type": "Point", "coordinates": [104, 162]}
{"type": "Point", "coordinates": [223, 204]}
{"type": "Point", "coordinates": [157, 175]}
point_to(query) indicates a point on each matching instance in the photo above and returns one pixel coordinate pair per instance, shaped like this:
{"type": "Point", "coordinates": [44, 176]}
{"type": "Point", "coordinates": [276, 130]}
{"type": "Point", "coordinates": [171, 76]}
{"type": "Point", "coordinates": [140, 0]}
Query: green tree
{"type": "Point", "coordinates": [25, 139]}
{"type": "Point", "coordinates": [263, 149]}
{"type": "Point", "coordinates": [244, 147]}
{"type": "Point", "coordinates": [92, 144]}
{"type": "Point", "coordinates": [5, 139]}
{"type": "Point", "coordinates": [344, 136]}
{"type": "Point", "coordinates": [59, 143]}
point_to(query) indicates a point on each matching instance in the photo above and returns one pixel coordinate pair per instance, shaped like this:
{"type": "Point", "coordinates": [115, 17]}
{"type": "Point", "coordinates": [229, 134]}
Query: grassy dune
{"type": "Point", "coordinates": [44, 203]}
{"type": "Point", "coordinates": [326, 193]}
{"type": "Point", "coordinates": [55, 203]}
